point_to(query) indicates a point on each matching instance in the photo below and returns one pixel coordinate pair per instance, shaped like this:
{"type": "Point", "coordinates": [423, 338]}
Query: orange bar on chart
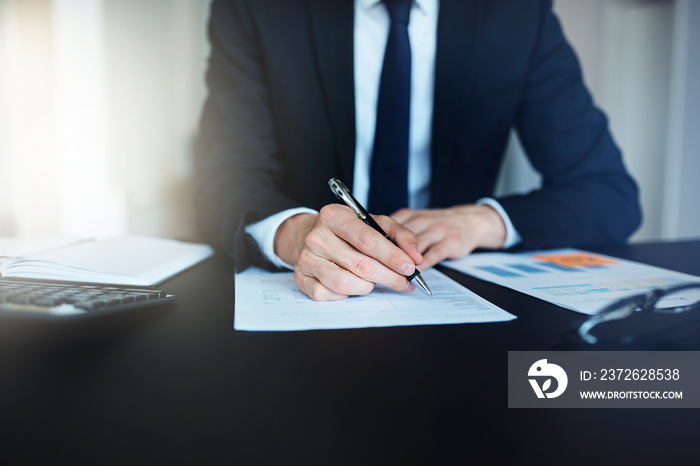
{"type": "Point", "coordinates": [576, 259]}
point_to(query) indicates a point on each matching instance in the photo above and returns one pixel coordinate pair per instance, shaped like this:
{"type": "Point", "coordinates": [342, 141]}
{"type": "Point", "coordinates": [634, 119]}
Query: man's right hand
{"type": "Point", "coordinates": [335, 255]}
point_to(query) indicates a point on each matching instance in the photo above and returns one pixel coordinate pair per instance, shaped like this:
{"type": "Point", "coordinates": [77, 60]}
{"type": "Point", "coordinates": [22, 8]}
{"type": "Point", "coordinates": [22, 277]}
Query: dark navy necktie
{"type": "Point", "coordinates": [388, 188]}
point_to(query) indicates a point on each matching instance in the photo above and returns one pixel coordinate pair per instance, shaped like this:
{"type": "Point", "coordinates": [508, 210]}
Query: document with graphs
{"type": "Point", "coordinates": [577, 280]}
{"type": "Point", "coordinates": [272, 301]}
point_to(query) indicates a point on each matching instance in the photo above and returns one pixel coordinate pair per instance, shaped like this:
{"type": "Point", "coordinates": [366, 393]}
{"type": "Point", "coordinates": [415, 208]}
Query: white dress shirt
{"type": "Point", "coordinates": [371, 28]}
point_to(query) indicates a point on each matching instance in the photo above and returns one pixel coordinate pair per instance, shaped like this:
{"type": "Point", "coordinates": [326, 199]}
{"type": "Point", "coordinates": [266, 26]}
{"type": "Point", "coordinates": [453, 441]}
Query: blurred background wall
{"type": "Point", "coordinates": [99, 101]}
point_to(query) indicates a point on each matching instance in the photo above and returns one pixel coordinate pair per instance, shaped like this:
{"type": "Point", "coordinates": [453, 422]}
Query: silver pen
{"type": "Point", "coordinates": [343, 193]}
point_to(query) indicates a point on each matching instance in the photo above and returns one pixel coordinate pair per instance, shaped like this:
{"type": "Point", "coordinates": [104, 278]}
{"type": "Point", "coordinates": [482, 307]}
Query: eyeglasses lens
{"type": "Point", "coordinates": [679, 301]}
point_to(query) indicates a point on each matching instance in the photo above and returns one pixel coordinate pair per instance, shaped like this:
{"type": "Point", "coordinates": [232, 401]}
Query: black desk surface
{"type": "Point", "coordinates": [177, 384]}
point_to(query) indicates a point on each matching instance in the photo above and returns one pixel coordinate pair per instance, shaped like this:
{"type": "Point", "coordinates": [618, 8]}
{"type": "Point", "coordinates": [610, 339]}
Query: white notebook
{"type": "Point", "coordinates": [124, 260]}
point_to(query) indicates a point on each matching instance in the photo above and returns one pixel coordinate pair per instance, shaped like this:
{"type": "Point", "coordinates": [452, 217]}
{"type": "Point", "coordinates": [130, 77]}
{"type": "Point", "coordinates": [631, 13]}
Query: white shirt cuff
{"type": "Point", "coordinates": [512, 235]}
{"type": "Point", "coordinates": [263, 232]}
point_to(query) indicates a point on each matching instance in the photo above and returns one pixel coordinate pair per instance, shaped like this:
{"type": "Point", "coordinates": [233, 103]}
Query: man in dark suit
{"type": "Point", "coordinates": [304, 90]}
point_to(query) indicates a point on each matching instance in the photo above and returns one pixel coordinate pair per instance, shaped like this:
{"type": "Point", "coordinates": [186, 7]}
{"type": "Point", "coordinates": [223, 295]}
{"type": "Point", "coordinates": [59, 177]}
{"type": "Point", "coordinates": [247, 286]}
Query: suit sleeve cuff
{"type": "Point", "coordinates": [263, 232]}
{"type": "Point", "coordinates": [512, 235]}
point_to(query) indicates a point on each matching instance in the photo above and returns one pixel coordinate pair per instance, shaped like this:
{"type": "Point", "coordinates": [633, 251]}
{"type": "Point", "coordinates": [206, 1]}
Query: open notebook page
{"type": "Point", "coordinates": [12, 247]}
{"type": "Point", "coordinates": [125, 260]}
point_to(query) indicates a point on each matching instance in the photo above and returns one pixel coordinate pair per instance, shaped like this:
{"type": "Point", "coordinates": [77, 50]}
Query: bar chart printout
{"type": "Point", "coordinates": [571, 278]}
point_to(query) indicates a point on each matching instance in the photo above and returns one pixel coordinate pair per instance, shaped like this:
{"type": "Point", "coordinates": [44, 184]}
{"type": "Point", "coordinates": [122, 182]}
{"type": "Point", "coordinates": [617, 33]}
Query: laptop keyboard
{"type": "Point", "coordinates": [49, 299]}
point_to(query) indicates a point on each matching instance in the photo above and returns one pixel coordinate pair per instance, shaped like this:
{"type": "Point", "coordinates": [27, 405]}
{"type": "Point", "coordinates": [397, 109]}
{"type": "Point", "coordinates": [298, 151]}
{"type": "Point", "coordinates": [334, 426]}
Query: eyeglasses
{"type": "Point", "coordinates": [673, 300]}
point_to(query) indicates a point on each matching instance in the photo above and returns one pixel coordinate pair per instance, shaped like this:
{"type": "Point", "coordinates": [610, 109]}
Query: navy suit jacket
{"type": "Point", "coordinates": [279, 120]}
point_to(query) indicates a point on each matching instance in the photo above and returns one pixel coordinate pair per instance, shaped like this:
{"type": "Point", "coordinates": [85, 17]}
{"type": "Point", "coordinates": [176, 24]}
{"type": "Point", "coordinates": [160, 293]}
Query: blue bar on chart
{"type": "Point", "coordinates": [498, 271]}
{"type": "Point", "coordinates": [527, 268]}
{"type": "Point", "coordinates": [559, 267]}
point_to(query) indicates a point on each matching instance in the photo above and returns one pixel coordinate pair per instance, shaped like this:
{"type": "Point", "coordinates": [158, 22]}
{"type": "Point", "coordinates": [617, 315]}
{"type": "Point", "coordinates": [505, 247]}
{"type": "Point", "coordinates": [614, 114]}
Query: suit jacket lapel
{"type": "Point", "coordinates": [458, 23]}
{"type": "Point", "coordinates": [332, 36]}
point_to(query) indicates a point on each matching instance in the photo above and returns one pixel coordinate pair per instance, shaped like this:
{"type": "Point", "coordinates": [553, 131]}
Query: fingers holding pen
{"type": "Point", "coordinates": [377, 253]}
{"type": "Point", "coordinates": [323, 280]}
{"type": "Point", "coordinates": [343, 257]}
{"type": "Point", "coordinates": [402, 236]}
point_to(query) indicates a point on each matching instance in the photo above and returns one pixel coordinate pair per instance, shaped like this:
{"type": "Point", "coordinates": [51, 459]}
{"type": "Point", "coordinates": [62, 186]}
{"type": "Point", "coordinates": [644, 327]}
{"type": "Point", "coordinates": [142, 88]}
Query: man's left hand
{"type": "Point", "coordinates": [453, 233]}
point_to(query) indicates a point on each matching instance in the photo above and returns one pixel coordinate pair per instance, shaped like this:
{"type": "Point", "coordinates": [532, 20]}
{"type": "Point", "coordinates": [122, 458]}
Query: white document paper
{"type": "Point", "coordinates": [571, 278]}
{"type": "Point", "coordinates": [272, 301]}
